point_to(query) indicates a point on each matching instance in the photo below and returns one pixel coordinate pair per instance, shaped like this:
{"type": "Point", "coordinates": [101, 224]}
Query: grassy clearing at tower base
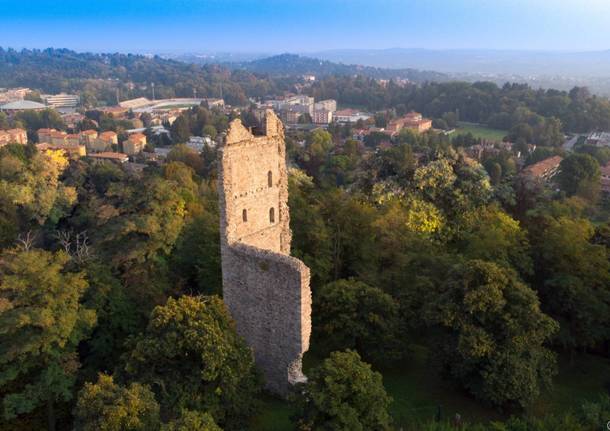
{"type": "Point", "coordinates": [420, 395]}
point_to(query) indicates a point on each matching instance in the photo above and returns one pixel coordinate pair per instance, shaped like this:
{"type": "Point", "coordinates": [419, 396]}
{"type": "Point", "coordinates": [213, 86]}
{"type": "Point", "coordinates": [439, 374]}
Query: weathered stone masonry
{"type": "Point", "coordinates": [266, 290]}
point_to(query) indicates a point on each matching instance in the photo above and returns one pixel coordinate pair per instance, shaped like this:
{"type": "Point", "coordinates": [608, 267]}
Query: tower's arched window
{"type": "Point", "coordinates": [244, 215]}
{"type": "Point", "coordinates": [270, 179]}
{"type": "Point", "coordinates": [272, 215]}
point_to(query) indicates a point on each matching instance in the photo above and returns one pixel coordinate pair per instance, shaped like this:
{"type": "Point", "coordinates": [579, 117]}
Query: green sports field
{"type": "Point", "coordinates": [479, 131]}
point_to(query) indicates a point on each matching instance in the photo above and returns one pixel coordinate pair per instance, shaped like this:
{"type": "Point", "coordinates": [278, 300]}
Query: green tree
{"type": "Point", "coordinates": [492, 334]}
{"type": "Point", "coordinates": [343, 393]}
{"type": "Point", "coordinates": [348, 314]}
{"type": "Point", "coordinates": [579, 174]}
{"type": "Point", "coordinates": [192, 421]}
{"type": "Point", "coordinates": [181, 129]}
{"type": "Point", "coordinates": [4, 124]}
{"type": "Point", "coordinates": [574, 281]}
{"type": "Point", "coordinates": [489, 233]}
{"type": "Point", "coordinates": [186, 155]}
{"type": "Point", "coordinates": [209, 130]}
{"type": "Point", "coordinates": [42, 321]}
{"type": "Point", "coordinates": [33, 185]}
{"type": "Point", "coordinates": [192, 357]}
{"type": "Point", "coordinates": [107, 406]}
{"type": "Point", "coordinates": [117, 318]}
{"type": "Point", "coordinates": [311, 241]}
{"type": "Point", "coordinates": [318, 146]}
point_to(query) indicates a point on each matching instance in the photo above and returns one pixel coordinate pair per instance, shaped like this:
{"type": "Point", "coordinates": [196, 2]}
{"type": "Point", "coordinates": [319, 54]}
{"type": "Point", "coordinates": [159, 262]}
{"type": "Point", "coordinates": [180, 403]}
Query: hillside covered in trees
{"type": "Point", "coordinates": [295, 65]}
{"type": "Point", "coordinates": [110, 292]}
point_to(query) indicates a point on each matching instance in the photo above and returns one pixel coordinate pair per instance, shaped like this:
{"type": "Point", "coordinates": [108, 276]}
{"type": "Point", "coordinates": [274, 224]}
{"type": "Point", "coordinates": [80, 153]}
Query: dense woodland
{"type": "Point", "coordinates": [111, 312]}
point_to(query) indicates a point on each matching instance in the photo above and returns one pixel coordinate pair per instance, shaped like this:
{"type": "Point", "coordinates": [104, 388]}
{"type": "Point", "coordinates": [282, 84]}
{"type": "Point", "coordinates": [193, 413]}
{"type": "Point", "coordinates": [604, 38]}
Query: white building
{"type": "Point", "coordinates": [198, 143]}
{"type": "Point", "coordinates": [599, 139]}
{"type": "Point", "coordinates": [328, 104]}
{"type": "Point", "coordinates": [350, 116]}
{"type": "Point", "coordinates": [61, 100]}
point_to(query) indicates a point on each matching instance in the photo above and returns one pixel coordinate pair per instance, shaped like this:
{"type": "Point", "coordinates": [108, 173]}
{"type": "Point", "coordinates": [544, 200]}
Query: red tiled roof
{"type": "Point", "coordinates": [137, 136]}
{"type": "Point", "coordinates": [543, 166]}
{"type": "Point", "coordinates": [107, 135]}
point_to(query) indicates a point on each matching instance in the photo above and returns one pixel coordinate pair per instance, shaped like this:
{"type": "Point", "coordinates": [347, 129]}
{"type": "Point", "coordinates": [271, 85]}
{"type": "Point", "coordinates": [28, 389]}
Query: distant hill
{"type": "Point", "coordinates": [479, 61]}
{"type": "Point", "coordinates": [292, 64]}
{"type": "Point", "coordinates": [106, 75]}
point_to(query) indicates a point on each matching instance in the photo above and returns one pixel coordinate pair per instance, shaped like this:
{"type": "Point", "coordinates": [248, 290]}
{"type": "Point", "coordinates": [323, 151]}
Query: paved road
{"type": "Point", "coordinates": [569, 145]}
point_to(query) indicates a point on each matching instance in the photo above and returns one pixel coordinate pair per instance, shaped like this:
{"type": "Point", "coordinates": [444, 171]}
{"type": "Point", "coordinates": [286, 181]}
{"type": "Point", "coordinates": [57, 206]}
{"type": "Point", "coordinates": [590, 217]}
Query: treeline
{"type": "Point", "coordinates": [99, 76]}
{"type": "Point", "coordinates": [481, 102]}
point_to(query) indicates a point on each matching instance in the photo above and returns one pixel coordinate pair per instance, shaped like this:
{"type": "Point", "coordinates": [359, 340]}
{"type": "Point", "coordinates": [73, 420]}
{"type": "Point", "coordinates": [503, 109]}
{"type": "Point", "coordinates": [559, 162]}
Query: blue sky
{"type": "Point", "coordinates": [305, 25]}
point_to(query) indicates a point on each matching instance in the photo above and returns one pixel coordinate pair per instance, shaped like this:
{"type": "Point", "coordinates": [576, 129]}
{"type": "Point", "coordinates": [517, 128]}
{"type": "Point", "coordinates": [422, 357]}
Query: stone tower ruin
{"type": "Point", "coordinates": [266, 290]}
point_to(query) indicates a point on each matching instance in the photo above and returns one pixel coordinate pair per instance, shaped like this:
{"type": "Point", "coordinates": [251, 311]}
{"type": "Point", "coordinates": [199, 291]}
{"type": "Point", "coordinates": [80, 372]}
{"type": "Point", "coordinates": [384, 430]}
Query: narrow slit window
{"type": "Point", "coordinates": [244, 215]}
{"type": "Point", "coordinates": [270, 179]}
{"type": "Point", "coordinates": [271, 215]}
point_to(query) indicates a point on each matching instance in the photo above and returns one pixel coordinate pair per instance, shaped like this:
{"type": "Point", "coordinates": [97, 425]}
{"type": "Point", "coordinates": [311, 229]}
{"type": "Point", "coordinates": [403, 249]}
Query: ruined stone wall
{"type": "Point", "coordinates": [266, 291]}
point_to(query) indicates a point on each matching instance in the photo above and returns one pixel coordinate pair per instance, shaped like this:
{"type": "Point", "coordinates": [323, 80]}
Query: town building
{"type": "Point", "coordinates": [599, 139]}
{"type": "Point", "coordinates": [198, 143]}
{"type": "Point", "coordinates": [350, 116]}
{"type": "Point", "coordinates": [328, 104]}
{"type": "Point", "coordinates": [13, 94]}
{"type": "Point", "coordinates": [104, 142]}
{"type": "Point", "coordinates": [70, 150]}
{"type": "Point", "coordinates": [72, 119]}
{"type": "Point", "coordinates": [322, 116]}
{"type": "Point", "coordinates": [57, 137]}
{"type": "Point", "coordinates": [114, 111]}
{"type": "Point", "coordinates": [214, 103]}
{"type": "Point", "coordinates": [61, 100]}
{"type": "Point", "coordinates": [162, 152]}
{"type": "Point", "coordinates": [13, 136]}
{"type": "Point", "coordinates": [73, 140]}
{"type": "Point", "coordinates": [544, 169]}
{"type": "Point", "coordinates": [22, 105]}
{"type": "Point", "coordinates": [300, 99]}
{"type": "Point", "coordinates": [292, 113]}
{"type": "Point", "coordinates": [412, 121]}
{"type": "Point", "coordinates": [110, 156]}
{"type": "Point", "coordinates": [71, 144]}
{"type": "Point", "coordinates": [88, 137]}
{"type": "Point", "coordinates": [134, 144]}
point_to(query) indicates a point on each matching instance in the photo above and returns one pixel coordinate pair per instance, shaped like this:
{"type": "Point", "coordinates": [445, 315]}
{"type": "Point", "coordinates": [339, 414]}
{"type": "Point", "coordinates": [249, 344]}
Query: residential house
{"type": "Point", "coordinates": [134, 144]}
{"type": "Point", "coordinates": [103, 143]}
{"type": "Point", "coordinates": [13, 136]}
{"type": "Point", "coordinates": [110, 156]}
{"type": "Point", "coordinates": [412, 121]}
{"type": "Point", "coordinates": [544, 169]}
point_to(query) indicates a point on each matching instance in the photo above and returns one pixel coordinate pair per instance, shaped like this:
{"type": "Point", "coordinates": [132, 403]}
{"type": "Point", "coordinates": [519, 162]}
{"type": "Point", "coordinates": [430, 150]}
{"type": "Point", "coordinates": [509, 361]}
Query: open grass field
{"type": "Point", "coordinates": [420, 394]}
{"type": "Point", "coordinates": [479, 131]}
